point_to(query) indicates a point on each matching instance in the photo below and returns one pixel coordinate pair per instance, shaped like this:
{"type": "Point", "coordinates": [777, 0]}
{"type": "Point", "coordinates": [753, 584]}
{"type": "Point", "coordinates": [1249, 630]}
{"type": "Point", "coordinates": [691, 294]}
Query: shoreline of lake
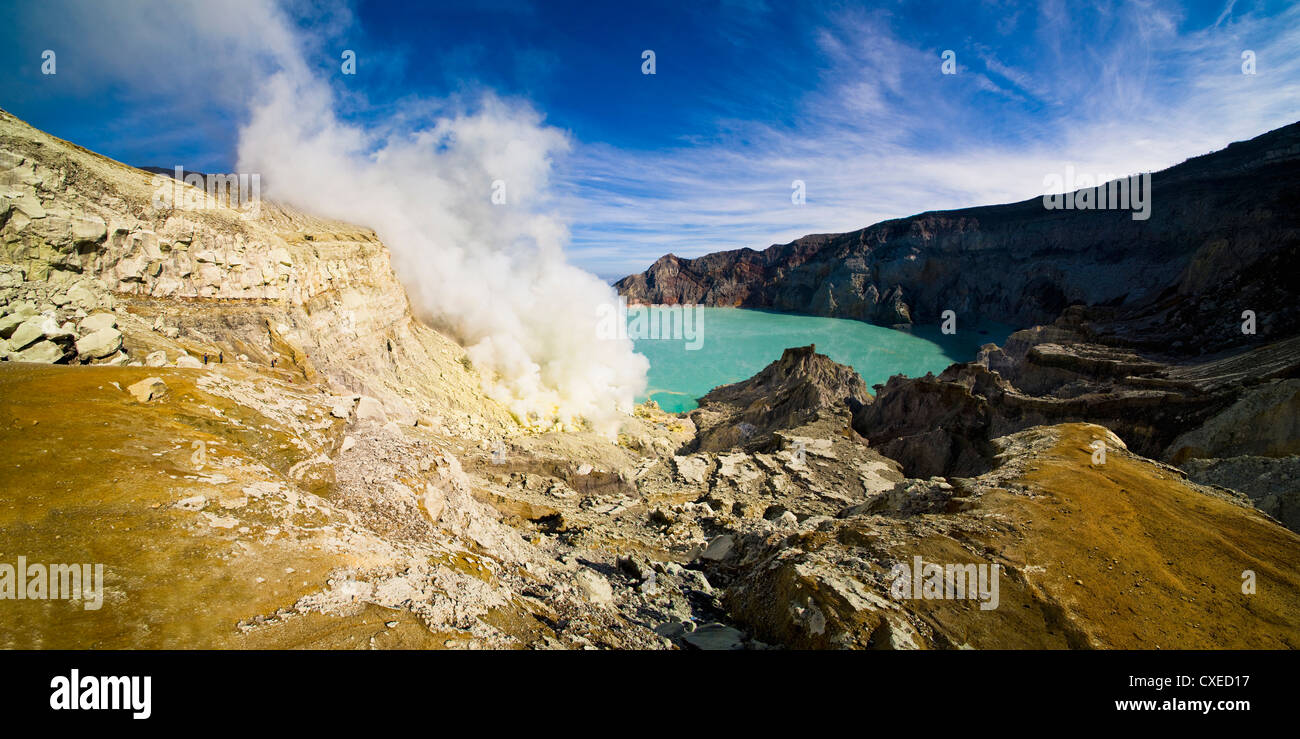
{"type": "Point", "coordinates": [738, 342]}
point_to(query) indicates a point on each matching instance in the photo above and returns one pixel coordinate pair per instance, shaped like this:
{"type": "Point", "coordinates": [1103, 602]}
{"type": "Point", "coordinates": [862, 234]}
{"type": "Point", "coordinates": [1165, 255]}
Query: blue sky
{"type": "Point", "coordinates": [748, 96]}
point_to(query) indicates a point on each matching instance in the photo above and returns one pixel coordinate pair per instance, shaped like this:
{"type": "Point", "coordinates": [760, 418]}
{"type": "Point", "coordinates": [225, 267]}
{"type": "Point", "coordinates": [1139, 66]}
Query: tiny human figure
{"type": "Point", "coordinates": [272, 361]}
{"type": "Point", "coordinates": [205, 359]}
{"type": "Point", "coordinates": [221, 357]}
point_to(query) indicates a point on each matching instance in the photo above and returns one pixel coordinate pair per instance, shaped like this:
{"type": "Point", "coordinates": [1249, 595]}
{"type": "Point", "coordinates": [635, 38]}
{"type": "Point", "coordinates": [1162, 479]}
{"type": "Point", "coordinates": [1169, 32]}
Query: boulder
{"type": "Point", "coordinates": [9, 323]}
{"type": "Point", "coordinates": [89, 229]}
{"type": "Point", "coordinates": [369, 409]}
{"type": "Point", "coordinates": [99, 344]}
{"type": "Point", "coordinates": [435, 499]}
{"type": "Point", "coordinates": [45, 352]}
{"type": "Point", "coordinates": [594, 587]}
{"type": "Point", "coordinates": [715, 637]}
{"type": "Point", "coordinates": [188, 362]}
{"type": "Point", "coordinates": [156, 359]}
{"type": "Point", "coordinates": [692, 469]}
{"type": "Point", "coordinates": [719, 548]}
{"type": "Point", "coordinates": [97, 321]}
{"type": "Point", "coordinates": [83, 297]}
{"type": "Point", "coordinates": [147, 389]}
{"type": "Point", "coordinates": [36, 328]}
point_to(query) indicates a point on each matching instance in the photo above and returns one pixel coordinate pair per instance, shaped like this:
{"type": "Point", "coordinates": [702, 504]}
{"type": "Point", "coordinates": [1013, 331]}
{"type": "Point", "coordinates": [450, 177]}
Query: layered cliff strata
{"type": "Point", "coordinates": [80, 237]}
{"type": "Point", "coordinates": [1195, 413]}
{"type": "Point", "coordinates": [1223, 237]}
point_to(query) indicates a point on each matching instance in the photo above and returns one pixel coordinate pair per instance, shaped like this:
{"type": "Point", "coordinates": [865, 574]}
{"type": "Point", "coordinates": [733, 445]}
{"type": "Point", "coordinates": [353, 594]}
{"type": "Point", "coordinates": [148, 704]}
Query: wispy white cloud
{"type": "Point", "coordinates": [1227, 11]}
{"type": "Point", "coordinates": [1109, 89]}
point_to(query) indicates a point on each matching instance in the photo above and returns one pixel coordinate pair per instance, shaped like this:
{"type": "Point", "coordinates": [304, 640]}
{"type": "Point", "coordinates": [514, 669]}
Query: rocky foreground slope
{"type": "Point", "coordinates": [240, 418]}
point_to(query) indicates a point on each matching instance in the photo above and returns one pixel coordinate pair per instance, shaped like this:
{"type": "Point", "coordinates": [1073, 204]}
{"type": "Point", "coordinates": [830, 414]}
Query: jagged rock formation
{"type": "Point", "coordinates": [1143, 321]}
{"type": "Point", "coordinates": [1223, 237]}
{"type": "Point", "coordinates": [1232, 405]}
{"type": "Point", "coordinates": [787, 393]}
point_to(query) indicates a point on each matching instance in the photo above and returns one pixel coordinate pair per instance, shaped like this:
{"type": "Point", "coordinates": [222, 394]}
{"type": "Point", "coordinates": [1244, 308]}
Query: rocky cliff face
{"type": "Point", "coordinates": [1223, 237]}
{"type": "Point", "coordinates": [1226, 417]}
{"type": "Point", "coordinates": [79, 235]}
{"type": "Point", "coordinates": [256, 413]}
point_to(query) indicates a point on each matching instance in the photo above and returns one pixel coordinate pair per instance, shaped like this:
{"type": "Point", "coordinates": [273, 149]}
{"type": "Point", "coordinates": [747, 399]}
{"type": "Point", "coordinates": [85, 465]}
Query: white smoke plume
{"type": "Point", "coordinates": [495, 274]}
{"type": "Point", "coordinates": [422, 177]}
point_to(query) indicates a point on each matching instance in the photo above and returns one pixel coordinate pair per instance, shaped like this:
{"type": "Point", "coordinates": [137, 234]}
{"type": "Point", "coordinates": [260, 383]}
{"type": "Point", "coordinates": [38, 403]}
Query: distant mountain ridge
{"type": "Point", "coordinates": [1223, 237]}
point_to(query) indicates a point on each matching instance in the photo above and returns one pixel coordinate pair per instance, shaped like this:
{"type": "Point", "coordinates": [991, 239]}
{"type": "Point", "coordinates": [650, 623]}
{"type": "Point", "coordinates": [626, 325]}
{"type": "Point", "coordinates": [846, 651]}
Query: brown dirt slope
{"type": "Point", "coordinates": [1125, 555]}
{"type": "Point", "coordinates": [1160, 560]}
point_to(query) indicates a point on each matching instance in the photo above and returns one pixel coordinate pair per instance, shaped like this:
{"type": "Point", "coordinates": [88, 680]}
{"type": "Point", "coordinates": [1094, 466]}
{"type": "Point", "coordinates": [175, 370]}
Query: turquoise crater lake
{"type": "Point", "coordinates": [737, 343]}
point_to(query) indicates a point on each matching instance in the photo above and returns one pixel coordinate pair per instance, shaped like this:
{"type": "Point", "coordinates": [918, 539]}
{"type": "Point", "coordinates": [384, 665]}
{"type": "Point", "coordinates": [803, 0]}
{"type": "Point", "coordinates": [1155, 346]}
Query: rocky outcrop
{"type": "Point", "coordinates": [1234, 403]}
{"type": "Point", "coordinates": [1264, 421]}
{"type": "Point", "coordinates": [205, 283]}
{"type": "Point", "coordinates": [1271, 483]}
{"type": "Point", "coordinates": [936, 426]}
{"type": "Point", "coordinates": [1223, 237]}
{"type": "Point", "coordinates": [787, 393]}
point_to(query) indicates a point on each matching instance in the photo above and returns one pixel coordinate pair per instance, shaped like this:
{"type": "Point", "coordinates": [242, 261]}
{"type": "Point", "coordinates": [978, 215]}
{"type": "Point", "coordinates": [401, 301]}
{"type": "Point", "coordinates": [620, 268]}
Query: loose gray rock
{"type": "Point", "coordinates": [147, 389]}
{"type": "Point", "coordinates": [719, 548]}
{"type": "Point", "coordinates": [36, 328]}
{"type": "Point", "coordinates": [45, 352]}
{"type": "Point", "coordinates": [102, 343]}
{"type": "Point", "coordinates": [9, 323]}
{"type": "Point", "coordinates": [715, 637]}
{"type": "Point", "coordinates": [98, 321]}
{"type": "Point", "coordinates": [594, 587]}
